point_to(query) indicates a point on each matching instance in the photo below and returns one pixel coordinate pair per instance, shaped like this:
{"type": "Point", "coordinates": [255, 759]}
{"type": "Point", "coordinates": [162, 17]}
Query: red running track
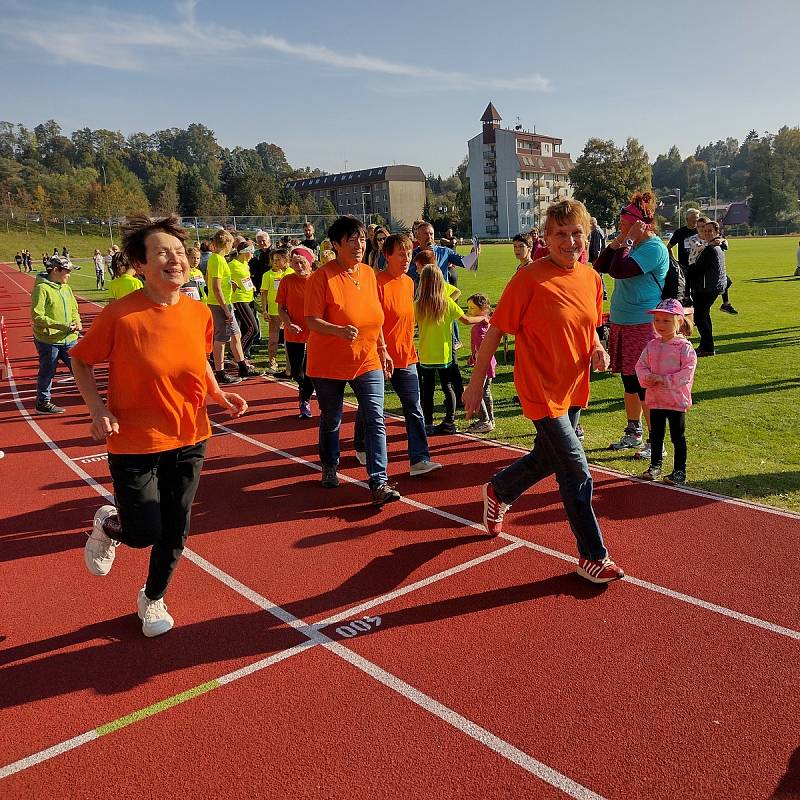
{"type": "Point", "coordinates": [478, 668]}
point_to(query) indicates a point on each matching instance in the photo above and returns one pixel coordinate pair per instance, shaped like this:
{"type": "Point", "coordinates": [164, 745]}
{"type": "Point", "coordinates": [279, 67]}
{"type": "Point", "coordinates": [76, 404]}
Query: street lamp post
{"type": "Point", "coordinates": [108, 207]}
{"type": "Point", "coordinates": [10, 207]}
{"type": "Point", "coordinates": [508, 221]}
{"type": "Point", "coordinates": [714, 170]}
{"type": "Point", "coordinates": [679, 209]}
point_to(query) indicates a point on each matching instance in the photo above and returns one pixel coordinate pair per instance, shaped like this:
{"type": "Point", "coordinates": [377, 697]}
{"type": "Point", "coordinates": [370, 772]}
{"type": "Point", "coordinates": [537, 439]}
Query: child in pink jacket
{"type": "Point", "coordinates": [666, 370]}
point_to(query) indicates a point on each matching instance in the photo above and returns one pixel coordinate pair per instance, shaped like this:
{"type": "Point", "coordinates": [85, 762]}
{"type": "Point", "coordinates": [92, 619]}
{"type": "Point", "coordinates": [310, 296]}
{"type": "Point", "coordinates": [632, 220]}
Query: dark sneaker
{"type": "Point", "coordinates": [703, 353]}
{"type": "Point", "coordinates": [728, 308]}
{"type": "Point", "coordinates": [48, 408]}
{"type": "Point", "coordinates": [494, 509]}
{"type": "Point", "coordinates": [677, 477]}
{"type": "Point", "coordinates": [602, 571]}
{"type": "Point", "coordinates": [224, 379]}
{"type": "Point", "coordinates": [330, 480]}
{"type": "Point", "coordinates": [305, 410]}
{"type": "Point", "coordinates": [579, 432]}
{"type": "Point", "coordinates": [652, 473]}
{"type": "Point", "coordinates": [443, 429]}
{"type": "Point", "coordinates": [249, 372]}
{"type": "Point", "coordinates": [384, 494]}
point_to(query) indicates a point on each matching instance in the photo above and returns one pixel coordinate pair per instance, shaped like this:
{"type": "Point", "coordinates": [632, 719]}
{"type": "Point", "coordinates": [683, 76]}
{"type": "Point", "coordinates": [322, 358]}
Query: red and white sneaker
{"type": "Point", "coordinates": [494, 510]}
{"type": "Point", "coordinates": [603, 571]}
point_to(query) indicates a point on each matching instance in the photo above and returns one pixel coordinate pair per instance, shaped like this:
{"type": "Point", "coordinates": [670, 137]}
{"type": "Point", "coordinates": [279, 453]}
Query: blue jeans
{"type": "Point", "coordinates": [49, 356]}
{"type": "Point", "coordinates": [558, 450]}
{"type": "Point", "coordinates": [406, 385]}
{"type": "Point", "coordinates": [368, 389]}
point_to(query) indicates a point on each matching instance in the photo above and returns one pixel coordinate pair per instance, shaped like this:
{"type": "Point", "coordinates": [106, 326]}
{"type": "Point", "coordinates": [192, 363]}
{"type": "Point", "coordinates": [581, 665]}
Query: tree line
{"type": "Point", "coordinates": [102, 173]}
{"type": "Point", "coordinates": [763, 169]}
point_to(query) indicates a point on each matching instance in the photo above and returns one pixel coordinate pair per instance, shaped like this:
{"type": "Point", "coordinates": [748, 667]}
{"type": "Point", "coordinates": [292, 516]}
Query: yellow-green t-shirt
{"type": "Point", "coordinates": [269, 284]}
{"type": "Point", "coordinates": [218, 267]}
{"type": "Point", "coordinates": [436, 338]}
{"type": "Point", "coordinates": [240, 275]}
{"type": "Point", "coordinates": [125, 284]}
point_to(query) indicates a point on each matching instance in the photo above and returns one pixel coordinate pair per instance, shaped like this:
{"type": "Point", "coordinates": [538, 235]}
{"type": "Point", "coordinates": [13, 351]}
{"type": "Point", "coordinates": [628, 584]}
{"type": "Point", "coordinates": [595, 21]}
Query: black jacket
{"type": "Point", "coordinates": [707, 274]}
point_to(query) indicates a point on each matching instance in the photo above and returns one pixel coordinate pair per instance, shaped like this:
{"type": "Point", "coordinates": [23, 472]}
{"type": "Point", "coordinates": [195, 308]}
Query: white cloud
{"type": "Point", "coordinates": [137, 42]}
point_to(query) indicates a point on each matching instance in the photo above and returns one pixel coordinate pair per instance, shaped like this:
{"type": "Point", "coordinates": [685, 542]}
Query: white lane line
{"type": "Point", "coordinates": [667, 487]}
{"type": "Point", "coordinates": [412, 587]}
{"type": "Point", "coordinates": [48, 753]}
{"type": "Point", "coordinates": [653, 587]}
{"type": "Point", "coordinates": [444, 713]}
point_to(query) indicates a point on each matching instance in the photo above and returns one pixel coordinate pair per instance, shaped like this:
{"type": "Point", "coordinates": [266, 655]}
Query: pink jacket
{"type": "Point", "coordinates": [675, 361]}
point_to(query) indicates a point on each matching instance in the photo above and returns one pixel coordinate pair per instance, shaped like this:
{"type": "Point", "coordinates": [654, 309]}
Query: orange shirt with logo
{"type": "Point", "coordinates": [553, 313]}
{"type": "Point", "coordinates": [292, 297]}
{"type": "Point", "coordinates": [157, 357]}
{"type": "Point", "coordinates": [341, 299]}
{"type": "Point", "coordinates": [396, 296]}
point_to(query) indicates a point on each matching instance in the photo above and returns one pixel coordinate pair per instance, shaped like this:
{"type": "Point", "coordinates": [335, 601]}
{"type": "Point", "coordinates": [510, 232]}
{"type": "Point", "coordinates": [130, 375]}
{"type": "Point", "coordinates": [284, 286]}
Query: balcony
{"type": "Point", "coordinates": [490, 185]}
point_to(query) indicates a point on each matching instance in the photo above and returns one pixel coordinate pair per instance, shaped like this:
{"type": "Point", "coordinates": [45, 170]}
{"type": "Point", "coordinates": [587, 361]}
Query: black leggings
{"type": "Point", "coordinates": [703, 303]}
{"type": "Point", "coordinates": [632, 386]}
{"type": "Point", "coordinates": [677, 433]}
{"type": "Point", "coordinates": [296, 356]}
{"type": "Point", "coordinates": [427, 385]}
{"type": "Point", "coordinates": [154, 493]}
{"type": "Point", "coordinates": [247, 323]}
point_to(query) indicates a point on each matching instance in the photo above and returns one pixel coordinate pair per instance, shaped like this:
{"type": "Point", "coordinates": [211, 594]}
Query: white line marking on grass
{"type": "Point", "coordinates": [653, 587]}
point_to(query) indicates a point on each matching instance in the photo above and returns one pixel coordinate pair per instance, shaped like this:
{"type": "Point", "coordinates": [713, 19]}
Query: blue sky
{"type": "Point", "coordinates": [382, 82]}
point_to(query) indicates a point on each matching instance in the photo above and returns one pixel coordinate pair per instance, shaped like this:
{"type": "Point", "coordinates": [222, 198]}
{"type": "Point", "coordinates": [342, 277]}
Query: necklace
{"type": "Point", "coordinates": [354, 276]}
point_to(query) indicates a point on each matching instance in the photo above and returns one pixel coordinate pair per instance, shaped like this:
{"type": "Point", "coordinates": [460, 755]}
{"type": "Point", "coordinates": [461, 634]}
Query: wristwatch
{"type": "Point", "coordinates": [629, 243]}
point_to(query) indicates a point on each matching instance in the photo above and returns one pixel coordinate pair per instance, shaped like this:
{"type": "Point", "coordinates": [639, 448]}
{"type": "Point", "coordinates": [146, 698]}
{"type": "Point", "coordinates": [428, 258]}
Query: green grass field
{"type": "Point", "coordinates": [742, 437]}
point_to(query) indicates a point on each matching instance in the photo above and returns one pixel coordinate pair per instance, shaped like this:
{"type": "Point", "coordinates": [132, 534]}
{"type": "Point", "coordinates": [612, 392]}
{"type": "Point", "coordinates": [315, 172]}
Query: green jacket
{"type": "Point", "coordinates": [53, 308]}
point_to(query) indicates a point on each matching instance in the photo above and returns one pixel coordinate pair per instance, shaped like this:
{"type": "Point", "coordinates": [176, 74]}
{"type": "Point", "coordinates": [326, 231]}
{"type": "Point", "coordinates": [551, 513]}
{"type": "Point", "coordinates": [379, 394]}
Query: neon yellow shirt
{"type": "Point", "coordinates": [436, 338]}
{"type": "Point", "coordinates": [218, 267]}
{"type": "Point", "coordinates": [269, 284]}
{"type": "Point", "coordinates": [124, 285]}
{"type": "Point", "coordinates": [240, 275]}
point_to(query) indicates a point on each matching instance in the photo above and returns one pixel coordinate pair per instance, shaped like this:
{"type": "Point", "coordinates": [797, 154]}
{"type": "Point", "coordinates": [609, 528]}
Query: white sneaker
{"type": "Point", "coordinates": [153, 614]}
{"type": "Point", "coordinates": [100, 549]}
{"type": "Point", "coordinates": [424, 467]}
{"type": "Point", "coordinates": [646, 452]}
{"type": "Point", "coordinates": [361, 457]}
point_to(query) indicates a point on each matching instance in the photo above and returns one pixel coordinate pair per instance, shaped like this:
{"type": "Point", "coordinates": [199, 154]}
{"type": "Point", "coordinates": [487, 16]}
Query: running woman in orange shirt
{"type": "Point", "coordinates": [155, 425]}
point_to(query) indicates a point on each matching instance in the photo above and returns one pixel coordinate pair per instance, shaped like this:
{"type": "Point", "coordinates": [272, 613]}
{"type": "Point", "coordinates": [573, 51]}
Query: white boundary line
{"type": "Point", "coordinates": [653, 587]}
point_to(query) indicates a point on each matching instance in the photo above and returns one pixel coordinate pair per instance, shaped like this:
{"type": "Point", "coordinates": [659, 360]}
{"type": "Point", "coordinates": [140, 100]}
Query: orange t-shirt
{"type": "Point", "coordinates": [157, 357]}
{"type": "Point", "coordinates": [332, 295]}
{"type": "Point", "coordinates": [553, 313]}
{"type": "Point", "coordinates": [396, 297]}
{"type": "Point", "coordinates": [292, 297]}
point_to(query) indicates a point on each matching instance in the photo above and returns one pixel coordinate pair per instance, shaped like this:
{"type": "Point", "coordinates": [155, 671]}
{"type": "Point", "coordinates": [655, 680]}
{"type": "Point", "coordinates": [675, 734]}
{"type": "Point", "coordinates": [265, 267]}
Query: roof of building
{"type": "Point", "coordinates": [399, 172]}
{"type": "Point", "coordinates": [491, 114]}
{"type": "Point", "coordinates": [737, 214]}
{"type": "Point", "coordinates": [560, 165]}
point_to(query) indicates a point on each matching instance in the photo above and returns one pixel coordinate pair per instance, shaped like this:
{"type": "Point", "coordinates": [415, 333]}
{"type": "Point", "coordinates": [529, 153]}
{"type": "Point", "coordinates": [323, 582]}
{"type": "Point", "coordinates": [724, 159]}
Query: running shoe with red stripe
{"type": "Point", "coordinates": [494, 510]}
{"type": "Point", "coordinates": [602, 571]}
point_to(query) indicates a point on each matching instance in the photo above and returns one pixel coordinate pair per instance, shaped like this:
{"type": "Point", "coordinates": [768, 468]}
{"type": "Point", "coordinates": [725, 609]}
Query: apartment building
{"type": "Point", "coordinates": [514, 175]}
{"type": "Point", "coordinates": [397, 193]}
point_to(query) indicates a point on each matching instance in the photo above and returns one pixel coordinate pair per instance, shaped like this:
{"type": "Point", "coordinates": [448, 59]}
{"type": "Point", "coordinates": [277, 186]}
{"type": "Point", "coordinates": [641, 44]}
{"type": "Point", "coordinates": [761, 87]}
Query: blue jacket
{"type": "Point", "coordinates": [444, 257]}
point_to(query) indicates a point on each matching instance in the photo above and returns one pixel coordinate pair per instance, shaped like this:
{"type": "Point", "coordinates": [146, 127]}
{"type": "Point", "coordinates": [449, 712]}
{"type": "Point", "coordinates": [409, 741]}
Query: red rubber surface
{"type": "Point", "coordinates": [623, 690]}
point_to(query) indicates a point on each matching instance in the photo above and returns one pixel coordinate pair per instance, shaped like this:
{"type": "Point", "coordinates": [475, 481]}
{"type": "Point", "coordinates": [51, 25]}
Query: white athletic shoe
{"type": "Point", "coordinates": [361, 457]}
{"type": "Point", "coordinates": [154, 615]}
{"type": "Point", "coordinates": [424, 467]}
{"type": "Point", "coordinates": [100, 549]}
